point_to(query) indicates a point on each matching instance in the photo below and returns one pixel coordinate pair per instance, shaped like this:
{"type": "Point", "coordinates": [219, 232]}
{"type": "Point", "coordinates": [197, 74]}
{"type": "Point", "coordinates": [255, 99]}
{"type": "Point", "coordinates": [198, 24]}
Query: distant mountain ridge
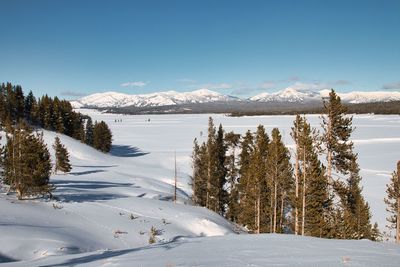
{"type": "Point", "coordinates": [114, 99]}
{"type": "Point", "coordinates": [171, 98]}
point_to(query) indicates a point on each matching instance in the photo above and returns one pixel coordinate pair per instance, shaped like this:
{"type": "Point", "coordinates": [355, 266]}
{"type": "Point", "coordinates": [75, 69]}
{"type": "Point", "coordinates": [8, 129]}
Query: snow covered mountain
{"type": "Point", "coordinates": [114, 99]}
{"type": "Point", "coordinates": [290, 95]}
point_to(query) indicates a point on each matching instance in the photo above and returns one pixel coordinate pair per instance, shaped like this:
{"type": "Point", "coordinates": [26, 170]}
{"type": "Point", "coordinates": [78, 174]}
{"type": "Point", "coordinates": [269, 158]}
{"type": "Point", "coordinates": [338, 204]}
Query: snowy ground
{"type": "Point", "coordinates": [92, 218]}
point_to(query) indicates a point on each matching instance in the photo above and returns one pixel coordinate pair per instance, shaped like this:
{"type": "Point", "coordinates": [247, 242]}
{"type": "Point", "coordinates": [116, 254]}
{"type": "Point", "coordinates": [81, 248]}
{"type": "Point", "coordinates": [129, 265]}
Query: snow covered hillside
{"type": "Point", "coordinates": [114, 99]}
{"type": "Point", "coordinates": [288, 95]}
{"type": "Point", "coordinates": [109, 202]}
{"type": "Point", "coordinates": [106, 202]}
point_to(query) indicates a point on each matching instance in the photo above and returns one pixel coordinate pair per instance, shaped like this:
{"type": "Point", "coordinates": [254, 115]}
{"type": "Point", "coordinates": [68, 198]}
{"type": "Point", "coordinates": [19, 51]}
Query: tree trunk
{"type": "Point", "coordinates": [271, 226]}
{"type": "Point", "coordinates": [208, 183]}
{"type": "Point", "coordinates": [275, 205]}
{"type": "Point", "coordinates": [329, 152]}
{"type": "Point", "coordinates": [258, 214]}
{"type": "Point", "coordinates": [281, 217]}
{"type": "Point", "coordinates": [296, 175]}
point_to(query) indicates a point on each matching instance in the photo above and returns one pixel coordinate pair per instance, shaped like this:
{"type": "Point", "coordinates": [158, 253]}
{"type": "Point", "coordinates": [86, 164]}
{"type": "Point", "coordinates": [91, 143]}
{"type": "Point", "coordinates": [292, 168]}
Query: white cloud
{"type": "Point", "coordinates": [134, 84]}
{"type": "Point", "coordinates": [391, 86]}
{"type": "Point", "coordinates": [309, 86]}
{"type": "Point", "coordinates": [341, 82]}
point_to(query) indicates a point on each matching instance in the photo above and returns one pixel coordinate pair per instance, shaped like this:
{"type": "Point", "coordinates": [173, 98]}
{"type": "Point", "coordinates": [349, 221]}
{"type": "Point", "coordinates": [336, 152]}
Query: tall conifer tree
{"type": "Point", "coordinates": [61, 156]}
{"type": "Point", "coordinates": [232, 141]}
{"type": "Point", "coordinates": [27, 163]}
{"type": "Point", "coordinates": [392, 201]}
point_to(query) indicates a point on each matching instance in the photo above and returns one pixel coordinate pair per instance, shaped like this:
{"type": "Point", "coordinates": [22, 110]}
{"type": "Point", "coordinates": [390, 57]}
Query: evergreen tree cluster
{"type": "Point", "coordinates": [26, 162]}
{"type": "Point", "coordinates": [51, 114]}
{"type": "Point", "coordinates": [251, 180]}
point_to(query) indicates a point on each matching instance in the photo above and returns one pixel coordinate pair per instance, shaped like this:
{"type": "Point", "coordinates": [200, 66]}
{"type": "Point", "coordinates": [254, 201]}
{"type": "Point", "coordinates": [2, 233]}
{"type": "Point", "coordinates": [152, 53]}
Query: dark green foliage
{"type": "Point", "coordinates": [247, 215]}
{"type": "Point", "coordinates": [254, 200]}
{"type": "Point", "coordinates": [51, 114]}
{"type": "Point", "coordinates": [27, 163]}
{"type": "Point", "coordinates": [392, 201]}
{"type": "Point", "coordinates": [199, 177]}
{"type": "Point", "coordinates": [102, 137]}
{"type": "Point", "coordinates": [209, 171]}
{"type": "Point", "coordinates": [30, 107]}
{"type": "Point", "coordinates": [221, 171]}
{"type": "Point", "coordinates": [337, 128]}
{"type": "Point", "coordinates": [232, 176]}
{"type": "Point", "coordinates": [280, 181]}
{"type": "Point", "coordinates": [258, 189]}
{"type": "Point", "coordinates": [62, 157]}
{"type": "Point", "coordinates": [351, 215]}
{"type": "Point", "coordinates": [312, 183]}
{"type": "Point", "coordinates": [89, 132]}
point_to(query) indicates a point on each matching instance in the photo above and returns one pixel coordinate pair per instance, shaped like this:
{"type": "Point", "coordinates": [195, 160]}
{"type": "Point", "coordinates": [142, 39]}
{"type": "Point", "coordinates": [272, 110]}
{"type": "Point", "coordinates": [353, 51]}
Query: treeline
{"type": "Point", "coordinates": [251, 180]}
{"type": "Point", "coordinates": [51, 114]}
{"type": "Point", "coordinates": [381, 108]}
{"type": "Point", "coordinates": [25, 161]}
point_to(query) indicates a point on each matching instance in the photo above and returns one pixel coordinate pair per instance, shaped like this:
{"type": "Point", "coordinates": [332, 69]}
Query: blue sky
{"type": "Point", "coordinates": [72, 48]}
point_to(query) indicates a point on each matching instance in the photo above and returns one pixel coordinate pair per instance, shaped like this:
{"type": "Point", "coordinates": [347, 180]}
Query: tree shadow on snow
{"type": "Point", "coordinates": [82, 184]}
{"type": "Point", "coordinates": [86, 172]}
{"type": "Point", "coordinates": [175, 242]}
{"type": "Point", "coordinates": [95, 166]}
{"type": "Point", "coordinates": [126, 151]}
{"type": "Point", "coordinates": [4, 259]}
{"type": "Point", "coordinates": [83, 196]}
{"type": "Point", "coordinates": [84, 191]}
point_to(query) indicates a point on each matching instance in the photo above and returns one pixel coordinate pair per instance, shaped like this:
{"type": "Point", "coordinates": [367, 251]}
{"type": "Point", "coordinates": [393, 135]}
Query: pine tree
{"type": "Point", "coordinates": [352, 213]}
{"type": "Point", "coordinates": [199, 177]}
{"type": "Point", "coordinates": [336, 136]}
{"type": "Point", "coordinates": [61, 156]}
{"type": "Point", "coordinates": [211, 159]}
{"type": "Point", "coordinates": [280, 181]}
{"type": "Point", "coordinates": [89, 132]}
{"type": "Point", "coordinates": [393, 202]}
{"type": "Point", "coordinates": [314, 202]}
{"type": "Point", "coordinates": [296, 137]}
{"type": "Point", "coordinates": [232, 176]}
{"type": "Point", "coordinates": [2, 104]}
{"type": "Point", "coordinates": [220, 175]}
{"type": "Point", "coordinates": [58, 116]}
{"type": "Point", "coordinates": [258, 182]}
{"type": "Point", "coordinates": [102, 137]}
{"type": "Point", "coordinates": [27, 163]}
{"type": "Point", "coordinates": [29, 107]}
{"type": "Point", "coordinates": [1, 161]}
{"type": "Point", "coordinates": [247, 213]}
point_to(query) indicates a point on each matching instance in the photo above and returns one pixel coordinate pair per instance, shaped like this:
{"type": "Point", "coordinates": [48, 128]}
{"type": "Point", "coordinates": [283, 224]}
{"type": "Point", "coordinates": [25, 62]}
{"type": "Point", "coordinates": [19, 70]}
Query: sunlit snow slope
{"type": "Point", "coordinates": [106, 202]}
